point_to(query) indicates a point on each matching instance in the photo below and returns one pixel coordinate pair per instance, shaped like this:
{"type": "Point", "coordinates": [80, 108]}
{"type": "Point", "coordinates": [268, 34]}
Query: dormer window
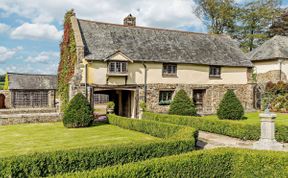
{"type": "Point", "coordinates": [215, 72]}
{"type": "Point", "coordinates": [169, 70]}
{"type": "Point", "coordinates": [118, 67]}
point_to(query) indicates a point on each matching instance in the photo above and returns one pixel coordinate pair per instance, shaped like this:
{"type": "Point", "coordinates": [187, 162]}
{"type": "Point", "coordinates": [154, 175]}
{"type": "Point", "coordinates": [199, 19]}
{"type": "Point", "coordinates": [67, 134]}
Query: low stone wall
{"type": "Point", "coordinates": [29, 118]}
{"type": "Point", "coordinates": [211, 99]}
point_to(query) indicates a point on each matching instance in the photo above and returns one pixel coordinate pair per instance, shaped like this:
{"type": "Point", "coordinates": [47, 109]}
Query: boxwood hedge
{"type": "Point", "coordinates": [235, 129]}
{"type": "Point", "coordinates": [221, 162]}
{"type": "Point", "coordinates": [176, 139]}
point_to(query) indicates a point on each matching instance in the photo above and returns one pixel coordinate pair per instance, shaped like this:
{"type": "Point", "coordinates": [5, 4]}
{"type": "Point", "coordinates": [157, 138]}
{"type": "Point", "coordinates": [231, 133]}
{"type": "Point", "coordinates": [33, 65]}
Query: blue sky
{"type": "Point", "coordinates": [31, 30]}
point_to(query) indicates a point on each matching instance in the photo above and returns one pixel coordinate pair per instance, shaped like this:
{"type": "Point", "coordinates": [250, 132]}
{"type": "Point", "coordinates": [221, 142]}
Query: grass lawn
{"type": "Point", "coordinates": [28, 138]}
{"type": "Point", "coordinates": [253, 117]}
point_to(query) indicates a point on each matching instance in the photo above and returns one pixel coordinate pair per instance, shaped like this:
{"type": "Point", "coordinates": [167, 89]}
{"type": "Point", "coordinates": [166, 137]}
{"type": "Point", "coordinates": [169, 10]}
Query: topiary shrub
{"type": "Point", "coordinates": [182, 105]}
{"type": "Point", "coordinates": [230, 107]}
{"type": "Point", "coordinates": [78, 112]}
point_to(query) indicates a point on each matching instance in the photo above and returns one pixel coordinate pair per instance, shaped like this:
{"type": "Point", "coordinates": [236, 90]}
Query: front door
{"type": "Point", "coordinates": [2, 101]}
{"type": "Point", "coordinates": [198, 96]}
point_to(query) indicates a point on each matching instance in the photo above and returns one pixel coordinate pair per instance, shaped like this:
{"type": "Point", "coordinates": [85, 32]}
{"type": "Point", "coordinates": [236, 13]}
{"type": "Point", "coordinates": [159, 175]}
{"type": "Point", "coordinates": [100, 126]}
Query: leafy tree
{"type": "Point", "coordinates": [217, 15]}
{"type": "Point", "coordinates": [182, 104]}
{"type": "Point", "coordinates": [230, 107]}
{"type": "Point", "coordinates": [280, 25]}
{"type": "Point", "coordinates": [6, 83]}
{"type": "Point", "coordinates": [254, 20]}
{"type": "Point", "coordinates": [78, 112]}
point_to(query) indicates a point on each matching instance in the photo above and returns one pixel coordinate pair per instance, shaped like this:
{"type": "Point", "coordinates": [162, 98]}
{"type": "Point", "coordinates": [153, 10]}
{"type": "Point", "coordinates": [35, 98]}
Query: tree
{"type": "Point", "coordinates": [182, 104]}
{"type": "Point", "coordinates": [230, 107]}
{"type": "Point", "coordinates": [218, 15]}
{"type": "Point", "coordinates": [254, 20]}
{"type": "Point", "coordinates": [280, 25]}
{"type": "Point", "coordinates": [78, 112]}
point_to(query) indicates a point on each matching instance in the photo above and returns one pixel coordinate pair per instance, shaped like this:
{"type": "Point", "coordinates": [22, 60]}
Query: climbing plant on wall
{"type": "Point", "coordinates": [67, 60]}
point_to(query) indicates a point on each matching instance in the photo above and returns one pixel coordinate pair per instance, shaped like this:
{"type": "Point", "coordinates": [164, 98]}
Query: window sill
{"type": "Point", "coordinates": [215, 76]}
{"type": "Point", "coordinates": [117, 74]}
{"type": "Point", "coordinates": [169, 75]}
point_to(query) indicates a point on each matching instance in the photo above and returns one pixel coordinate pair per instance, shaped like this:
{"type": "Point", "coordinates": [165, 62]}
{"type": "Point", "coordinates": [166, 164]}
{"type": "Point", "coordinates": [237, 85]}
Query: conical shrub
{"type": "Point", "coordinates": [230, 107]}
{"type": "Point", "coordinates": [78, 112]}
{"type": "Point", "coordinates": [182, 105]}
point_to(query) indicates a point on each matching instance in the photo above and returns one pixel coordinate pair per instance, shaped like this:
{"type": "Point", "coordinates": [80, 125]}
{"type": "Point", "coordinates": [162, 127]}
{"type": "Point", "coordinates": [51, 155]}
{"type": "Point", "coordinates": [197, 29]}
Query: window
{"type": "Point", "coordinates": [215, 71]}
{"type": "Point", "coordinates": [101, 98]}
{"type": "Point", "coordinates": [118, 67]}
{"type": "Point", "coordinates": [169, 69]}
{"type": "Point", "coordinates": [165, 97]}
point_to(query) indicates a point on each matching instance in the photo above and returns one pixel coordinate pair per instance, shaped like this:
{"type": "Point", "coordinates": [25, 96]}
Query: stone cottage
{"type": "Point", "coordinates": [129, 64]}
{"type": "Point", "coordinates": [29, 91]}
{"type": "Point", "coordinates": [271, 60]}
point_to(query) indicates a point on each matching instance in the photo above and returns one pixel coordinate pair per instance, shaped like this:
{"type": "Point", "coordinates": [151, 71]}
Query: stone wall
{"type": "Point", "coordinates": [7, 95]}
{"type": "Point", "coordinates": [211, 99]}
{"type": "Point", "coordinates": [273, 76]}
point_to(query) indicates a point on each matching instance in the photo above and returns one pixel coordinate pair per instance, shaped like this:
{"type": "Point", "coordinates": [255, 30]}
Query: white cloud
{"type": "Point", "coordinates": [6, 53]}
{"type": "Point", "coordinates": [43, 57]}
{"type": "Point", "coordinates": [36, 32]}
{"type": "Point", "coordinates": [4, 27]}
{"type": "Point", "coordinates": [160, 13]}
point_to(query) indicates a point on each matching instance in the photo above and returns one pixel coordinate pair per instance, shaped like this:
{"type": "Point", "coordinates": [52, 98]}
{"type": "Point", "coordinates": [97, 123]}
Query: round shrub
{"type": "Point", "coordinates": [230, 107]}
{"type": "Point", "coordinates": [78, 112]}
{"type": "Point", "coordinates": [182, 105]}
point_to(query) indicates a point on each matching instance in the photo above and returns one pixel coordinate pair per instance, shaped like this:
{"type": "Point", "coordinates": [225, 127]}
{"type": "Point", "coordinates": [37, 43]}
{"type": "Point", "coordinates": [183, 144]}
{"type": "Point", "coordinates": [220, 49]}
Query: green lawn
{"type": "Point", "coordinates": [28, 138]}
{"type": "Point", "coordinates": [253, 117]}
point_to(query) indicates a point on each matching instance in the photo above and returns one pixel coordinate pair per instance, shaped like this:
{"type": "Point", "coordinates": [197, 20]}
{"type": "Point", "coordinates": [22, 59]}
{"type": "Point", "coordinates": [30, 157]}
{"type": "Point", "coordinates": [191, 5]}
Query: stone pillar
{"type": "Point", "coordinates": [51, 98]}
{"type": "Point", "coordinates": [140, 113]}
{"type": "Point", "coordinates": [267, 140]}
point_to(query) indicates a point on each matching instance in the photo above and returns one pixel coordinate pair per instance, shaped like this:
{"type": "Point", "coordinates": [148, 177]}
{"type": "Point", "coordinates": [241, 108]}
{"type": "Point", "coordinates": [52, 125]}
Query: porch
{"type": "Point", "coordinates": [125, 99]}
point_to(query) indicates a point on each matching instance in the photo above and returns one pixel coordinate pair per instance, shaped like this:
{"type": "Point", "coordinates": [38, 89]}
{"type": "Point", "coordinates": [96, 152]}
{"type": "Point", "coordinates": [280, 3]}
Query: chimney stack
{"type": "Point", "coordinates": [130, 21]}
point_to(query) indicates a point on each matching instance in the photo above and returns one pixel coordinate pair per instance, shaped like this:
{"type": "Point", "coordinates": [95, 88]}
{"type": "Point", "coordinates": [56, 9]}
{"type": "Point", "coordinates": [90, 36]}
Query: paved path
{"type": "Point", "coordinates": [209, 140]}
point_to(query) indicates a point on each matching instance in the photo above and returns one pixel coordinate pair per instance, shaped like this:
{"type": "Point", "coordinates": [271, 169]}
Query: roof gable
{"type": "Point", "coordinates": [159, 45]}
{"type": "Point", "coordinates": [118, 56]}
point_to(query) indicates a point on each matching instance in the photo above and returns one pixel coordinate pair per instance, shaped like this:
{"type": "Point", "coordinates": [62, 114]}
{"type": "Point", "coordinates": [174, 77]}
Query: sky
{"type": "Point", "coordinates": [31, 30]}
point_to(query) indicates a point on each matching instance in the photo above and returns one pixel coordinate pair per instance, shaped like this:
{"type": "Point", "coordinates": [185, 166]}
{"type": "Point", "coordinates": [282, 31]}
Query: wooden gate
{"type": "Point", "coordinates": [2, 101]}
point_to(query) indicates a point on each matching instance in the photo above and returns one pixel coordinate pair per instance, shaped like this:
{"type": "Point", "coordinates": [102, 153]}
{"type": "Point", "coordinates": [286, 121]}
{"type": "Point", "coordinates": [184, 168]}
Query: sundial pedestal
{"type": "Point", "coordinates": [267, 140]}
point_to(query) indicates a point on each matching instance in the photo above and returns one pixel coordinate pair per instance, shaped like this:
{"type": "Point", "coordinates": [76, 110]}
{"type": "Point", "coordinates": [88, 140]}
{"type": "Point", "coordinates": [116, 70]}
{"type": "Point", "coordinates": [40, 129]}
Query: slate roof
{"type": "Point", "coordinates": [276, 47]}
{"type": "Point", "coordinates": [159, 45]}
{"type": "Point", "coordinates": [18, 81]}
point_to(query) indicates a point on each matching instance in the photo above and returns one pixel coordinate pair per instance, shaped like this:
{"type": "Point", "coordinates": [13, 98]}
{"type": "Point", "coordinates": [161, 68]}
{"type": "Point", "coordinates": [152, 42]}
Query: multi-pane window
{"type": "Point", "coordinates": [101, 98]}
{"type": "Point", "coordinates": [169, 69]}
{"type": "Point", "coordinates": [165, 97]}
{"type": "Point", "coordinates": [118, 67]}
{"type": "Point", "coordinates": [30, 98]}
{"type": "Point", "coordinates": [215, 71]}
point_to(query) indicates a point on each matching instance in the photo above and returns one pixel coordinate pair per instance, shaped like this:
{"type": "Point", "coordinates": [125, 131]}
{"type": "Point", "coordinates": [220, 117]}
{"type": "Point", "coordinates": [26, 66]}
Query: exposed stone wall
{"type": "Point", "coordinates": [8, 99]}
{"type": "Point", "coordinates": [211, 99]}
{"type": "Point", "coordinates": [273, 76]}
{"type": "Point", "coordinates": [31, 118]}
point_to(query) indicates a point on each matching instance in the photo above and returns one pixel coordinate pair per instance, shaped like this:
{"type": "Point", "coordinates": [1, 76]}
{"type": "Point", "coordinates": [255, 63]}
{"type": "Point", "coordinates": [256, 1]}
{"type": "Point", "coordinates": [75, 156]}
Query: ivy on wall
{"type": "Point", "coordinates": [68, 59]}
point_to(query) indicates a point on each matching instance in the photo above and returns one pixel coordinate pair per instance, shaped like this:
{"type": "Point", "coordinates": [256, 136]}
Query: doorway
{"type": "Point", "coordinates": [198, 98]}
{"type": "Point", "coordinates": [122, 100]}
{"type": "Point", "coordinates": [2, 101]}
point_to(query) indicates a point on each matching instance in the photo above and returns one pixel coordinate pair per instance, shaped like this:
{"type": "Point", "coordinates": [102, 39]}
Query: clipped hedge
{"type": "Point", "coordinates": [223, 162]}
{"type": "Point", "coordinates": [235, 129]}
{"type": "Point", "coordinates": [178, 139]}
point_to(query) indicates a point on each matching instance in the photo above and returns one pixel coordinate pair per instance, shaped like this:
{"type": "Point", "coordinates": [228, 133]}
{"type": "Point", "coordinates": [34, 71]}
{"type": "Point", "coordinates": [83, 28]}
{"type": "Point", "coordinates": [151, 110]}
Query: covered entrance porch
{"type": "Point", "coordinates": [125, 99]}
